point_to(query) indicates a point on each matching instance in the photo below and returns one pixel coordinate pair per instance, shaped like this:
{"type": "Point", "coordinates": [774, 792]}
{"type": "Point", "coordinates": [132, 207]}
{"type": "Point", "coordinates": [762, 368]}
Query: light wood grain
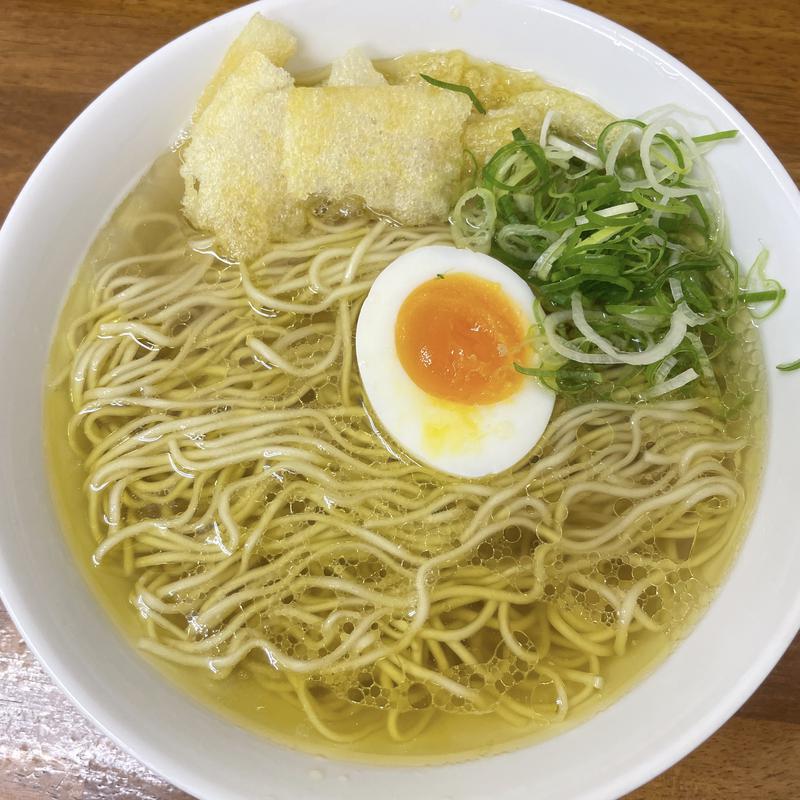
{"type": "Point", "coordinates": [56, 56]}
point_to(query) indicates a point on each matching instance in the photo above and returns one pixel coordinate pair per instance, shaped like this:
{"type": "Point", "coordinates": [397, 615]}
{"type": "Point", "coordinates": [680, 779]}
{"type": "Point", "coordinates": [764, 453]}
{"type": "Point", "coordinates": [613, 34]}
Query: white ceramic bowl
{"type": "Point", "coordinates": [57, 214]}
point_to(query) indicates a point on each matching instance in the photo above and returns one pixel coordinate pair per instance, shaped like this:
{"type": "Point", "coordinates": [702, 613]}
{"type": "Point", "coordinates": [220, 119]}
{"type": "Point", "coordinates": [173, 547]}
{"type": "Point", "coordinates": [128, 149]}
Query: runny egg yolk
{"type": "Point", "coordinates": [457, 338]}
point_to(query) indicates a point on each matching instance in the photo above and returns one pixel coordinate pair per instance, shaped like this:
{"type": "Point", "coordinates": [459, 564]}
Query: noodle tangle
{"type": "Point", "coordinates": [265, 524]}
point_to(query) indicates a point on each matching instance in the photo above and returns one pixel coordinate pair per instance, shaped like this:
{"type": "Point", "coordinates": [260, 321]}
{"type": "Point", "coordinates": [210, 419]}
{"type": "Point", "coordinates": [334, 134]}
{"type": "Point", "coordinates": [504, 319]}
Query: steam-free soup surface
{"type": "Point", "coordinates": [262, 541]}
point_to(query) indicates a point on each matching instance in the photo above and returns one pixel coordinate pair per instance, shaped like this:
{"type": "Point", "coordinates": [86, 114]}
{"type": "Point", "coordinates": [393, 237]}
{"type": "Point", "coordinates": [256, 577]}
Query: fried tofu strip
{"type": "Point", "coordinates": [354, 69]}
{"type": "Point", "coordinates": [495, 86]}
{"type": "Point", "coordinates": [397, 147]}
{"type": "Point", "coordinates": [260, 35]}
{"type": "Point", "coordinates": [261, 147]}
{"type": "Point", "coordinates": [233, 166]}
{"type": "Point", "coordinates": [574, 117]}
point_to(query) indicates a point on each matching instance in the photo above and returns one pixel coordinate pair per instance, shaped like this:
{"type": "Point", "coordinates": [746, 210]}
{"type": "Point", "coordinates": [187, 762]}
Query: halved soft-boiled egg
{"type": "Point", "coordinates": [436, 342]}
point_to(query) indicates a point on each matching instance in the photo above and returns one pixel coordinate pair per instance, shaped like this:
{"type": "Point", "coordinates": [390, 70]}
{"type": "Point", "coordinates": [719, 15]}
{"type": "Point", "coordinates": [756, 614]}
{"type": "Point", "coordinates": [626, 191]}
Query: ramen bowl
{"type": "Point", "coordinates": [97, 161]}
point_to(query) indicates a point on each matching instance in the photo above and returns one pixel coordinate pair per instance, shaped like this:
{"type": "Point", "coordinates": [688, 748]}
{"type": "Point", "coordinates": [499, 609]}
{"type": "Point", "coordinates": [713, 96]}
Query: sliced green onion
{"type": "Point", "coordinates": [473, 220]}
{"type": "Point", "coordinates": [663, 369]}
{"type": "Point", "coordinates": [524, 241]}
{"type": "Point", "coordinates": [715, 137]}
{"type": "Point", "coordinates": [769, 290]}
{"type": "Point", "coordinates": [566, 380]}
{"type": "Point", "coordinates": [601, 141]}
{"type": "Point", "coordinates": [533, 151]}
{"type": "Point", "coordinates": [624, 249]}
{"type": "Point", "coordinates": [541, 267]}
{"type": "Point", "coordinates": [585, 374]}
{"type": "Point", "coordinates": [603, 235]}
{"type": "Point", "coordinates": [455, 87]}
{"type": "Point", "coordinates": [678, 382]}
{"type": "Point", "coordinates": [789, 366]}
{"type": "Point", "coordinates": [575, 151]}
{"type": "Point", "coordinates": [762, 297]}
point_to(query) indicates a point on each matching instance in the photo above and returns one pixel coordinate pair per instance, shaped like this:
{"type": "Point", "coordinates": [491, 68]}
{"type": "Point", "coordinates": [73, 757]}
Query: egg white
{"type": "Point", "coordinates": [470, 441]}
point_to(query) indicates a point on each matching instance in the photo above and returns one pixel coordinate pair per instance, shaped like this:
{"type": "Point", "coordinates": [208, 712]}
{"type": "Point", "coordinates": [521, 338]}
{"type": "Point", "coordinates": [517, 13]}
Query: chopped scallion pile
{"type": "Point", "coordinates": [625, 249]}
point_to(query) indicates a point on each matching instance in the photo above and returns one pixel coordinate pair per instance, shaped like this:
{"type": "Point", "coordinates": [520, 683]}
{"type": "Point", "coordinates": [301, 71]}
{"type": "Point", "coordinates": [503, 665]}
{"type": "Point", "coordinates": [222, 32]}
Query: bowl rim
{"type": "Point", "coordinates": [13, 595]}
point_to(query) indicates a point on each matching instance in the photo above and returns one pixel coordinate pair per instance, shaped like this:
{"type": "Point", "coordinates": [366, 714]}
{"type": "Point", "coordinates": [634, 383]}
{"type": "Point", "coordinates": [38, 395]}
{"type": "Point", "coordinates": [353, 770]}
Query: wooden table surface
{"type": "Point", "coordinates": [57, 55]}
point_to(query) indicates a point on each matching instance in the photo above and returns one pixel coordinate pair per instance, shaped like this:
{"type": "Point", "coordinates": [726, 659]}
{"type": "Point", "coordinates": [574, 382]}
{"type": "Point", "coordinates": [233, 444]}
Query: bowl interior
{"type": "Point", "coordinates": [43, 240]}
